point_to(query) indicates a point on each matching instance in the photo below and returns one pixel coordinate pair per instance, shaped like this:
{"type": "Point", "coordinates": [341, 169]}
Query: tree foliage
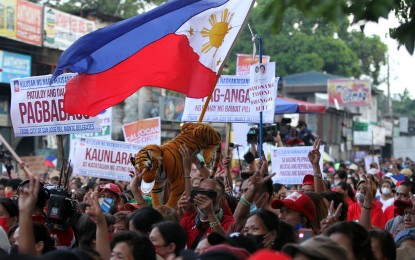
{"type": "Point", "coordinates": [405, 106]}
{"type": "Point", "coordinates": [361, 11]}
{"type": "Point", "coordinates": [305, 44]}
{"type": "Point", "coordinates": [117, 8]}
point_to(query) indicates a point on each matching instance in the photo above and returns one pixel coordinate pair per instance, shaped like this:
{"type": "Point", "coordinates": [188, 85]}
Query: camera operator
{"type": "Point", "coordinates": [305, 134]}
{"type": "Point", "coordinates": [64, 238]}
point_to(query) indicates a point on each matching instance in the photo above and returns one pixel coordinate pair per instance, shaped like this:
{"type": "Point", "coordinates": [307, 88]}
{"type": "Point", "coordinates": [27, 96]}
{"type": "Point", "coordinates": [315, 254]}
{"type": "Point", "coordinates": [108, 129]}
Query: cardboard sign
{"type": "Point", "coordinates": [291, 164]}
{"type": "Point", "coordinates": [143, 132]}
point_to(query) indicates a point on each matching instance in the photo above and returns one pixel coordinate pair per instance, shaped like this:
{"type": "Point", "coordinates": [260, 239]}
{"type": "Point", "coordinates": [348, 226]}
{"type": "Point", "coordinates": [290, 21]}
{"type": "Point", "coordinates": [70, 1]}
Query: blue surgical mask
{"type": "Point", "coordinates": [253, 208]}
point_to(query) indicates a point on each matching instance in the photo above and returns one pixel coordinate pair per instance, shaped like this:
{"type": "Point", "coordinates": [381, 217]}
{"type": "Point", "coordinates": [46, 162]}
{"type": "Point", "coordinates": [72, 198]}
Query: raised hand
{"type": "Point", "coordinates": [94, 210]}
{"type": "Point", "coordinates": [28, 196]}
{"type": "Point", "coordinates": [135, 180]}
{"type": "Point", "coordinates": [204, 203]}
{"type": "Point", "coordinates": [367, 188]}
{"type": "Point", "coordinates": [186, 156]}
{"type": "Point", "coordinates": [314, 155]}
{"type": "Point", "coordinates": [332, 217]}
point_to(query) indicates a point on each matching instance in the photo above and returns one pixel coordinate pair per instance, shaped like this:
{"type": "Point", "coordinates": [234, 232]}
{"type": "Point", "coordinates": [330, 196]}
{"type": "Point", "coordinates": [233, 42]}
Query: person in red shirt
{"type": "Point", "coordinates": [355, 210]}
{"type": "Point", "coordinates": [208, 217]}
{"type": "Point", "coordinates": [293, 139]}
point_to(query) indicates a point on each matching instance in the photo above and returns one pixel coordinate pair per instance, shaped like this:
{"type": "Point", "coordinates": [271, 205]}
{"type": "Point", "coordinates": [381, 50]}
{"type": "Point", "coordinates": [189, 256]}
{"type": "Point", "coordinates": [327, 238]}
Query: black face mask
{"type": "Point", "coordinates": [258, 240]}
{"type": "Point", "coordinates": [14, 249]}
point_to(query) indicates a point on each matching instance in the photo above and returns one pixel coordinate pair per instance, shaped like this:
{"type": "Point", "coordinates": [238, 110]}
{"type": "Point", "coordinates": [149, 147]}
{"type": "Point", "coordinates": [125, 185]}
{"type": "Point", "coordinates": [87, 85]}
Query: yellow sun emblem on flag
{"type": "Point", "coordinates": [217, 32]}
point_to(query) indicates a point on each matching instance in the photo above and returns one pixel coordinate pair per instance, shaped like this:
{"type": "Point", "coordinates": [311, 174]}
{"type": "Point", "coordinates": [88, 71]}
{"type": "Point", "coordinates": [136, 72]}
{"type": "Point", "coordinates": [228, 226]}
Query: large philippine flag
{"type": "Point", "coordinates": [180, 45]}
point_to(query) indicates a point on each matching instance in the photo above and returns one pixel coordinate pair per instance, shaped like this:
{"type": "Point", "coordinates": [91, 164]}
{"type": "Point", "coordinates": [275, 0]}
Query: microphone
{"type": "Point", "coordinates": [232, 145]}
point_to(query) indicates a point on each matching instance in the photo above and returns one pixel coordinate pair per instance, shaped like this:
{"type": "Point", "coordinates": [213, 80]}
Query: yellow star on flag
{"type": "Point", "coordinates": [191, 32]}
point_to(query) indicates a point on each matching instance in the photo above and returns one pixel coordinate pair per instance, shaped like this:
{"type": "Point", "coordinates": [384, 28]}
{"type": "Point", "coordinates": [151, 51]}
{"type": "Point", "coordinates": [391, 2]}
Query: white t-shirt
{"type": "Point", "coordinates": [386, 203]}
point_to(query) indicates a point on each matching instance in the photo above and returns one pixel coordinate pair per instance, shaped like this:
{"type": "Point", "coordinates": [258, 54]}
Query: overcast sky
{"type": "Point", "coordinates": [402, 64]}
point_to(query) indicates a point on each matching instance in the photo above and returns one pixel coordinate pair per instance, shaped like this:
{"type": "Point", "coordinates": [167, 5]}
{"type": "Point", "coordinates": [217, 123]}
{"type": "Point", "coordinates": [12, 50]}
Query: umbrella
{"type": "Point", "coordinates": [293, 106]}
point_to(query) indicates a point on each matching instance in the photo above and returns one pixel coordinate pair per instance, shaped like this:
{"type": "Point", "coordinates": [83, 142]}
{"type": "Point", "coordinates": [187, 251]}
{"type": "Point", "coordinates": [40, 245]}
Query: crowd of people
{"type": "Point", "coordinates": [339, 212]}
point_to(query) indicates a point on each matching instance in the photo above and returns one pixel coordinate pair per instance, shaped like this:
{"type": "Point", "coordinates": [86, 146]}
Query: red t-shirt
{"type": "Point", "coordinates": [378, 219]}
{"type": "Point", "coordinates": [389, 212]}
{"type": "Point", "coordinates": [188, 222]}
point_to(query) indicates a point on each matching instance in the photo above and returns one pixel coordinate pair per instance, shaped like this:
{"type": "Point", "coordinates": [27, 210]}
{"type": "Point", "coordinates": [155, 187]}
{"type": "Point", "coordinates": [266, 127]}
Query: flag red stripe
{"type": "Point", "coordinates": [172, 64]}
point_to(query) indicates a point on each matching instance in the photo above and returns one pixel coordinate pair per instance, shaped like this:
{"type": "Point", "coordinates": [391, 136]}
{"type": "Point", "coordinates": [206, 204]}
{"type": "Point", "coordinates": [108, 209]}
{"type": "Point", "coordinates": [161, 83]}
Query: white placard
{"type": "Point", "coordinates": [104, 159]}
{"type": "Point", "coordinates": [105, 121]}
{"type": "Point", "coordinates": [37, 108]}
{"type": "Point", "coordinates": [371, 159]}
{"type": "Point", "coordinates": [262, 90]}
{"type": "Point", "coordinates": [291, 164]}
{"type": "Point", "coordinates": [230, 102]}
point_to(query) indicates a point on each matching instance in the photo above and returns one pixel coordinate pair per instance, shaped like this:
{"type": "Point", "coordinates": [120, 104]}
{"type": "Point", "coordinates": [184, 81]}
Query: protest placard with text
{"type": "Point", "coordinates": [230, 103]}
{"type": "Point", "coordinates": [37, 108]}
{"type": "Point", "coordinates": [291, 164]}
{"type": "Point", "coordinates": [143, 132]}
{"type": "Point", "coordinates": [262, 90]}
{"type": "Point", "coordinates": [104, 159]}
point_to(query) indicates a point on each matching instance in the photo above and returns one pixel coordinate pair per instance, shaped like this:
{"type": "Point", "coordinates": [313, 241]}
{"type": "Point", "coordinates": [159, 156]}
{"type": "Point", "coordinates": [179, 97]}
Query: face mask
{"type": "Point", "coordinates": [237, 189]}
{"type": "Point", "coordinates": [157, 248]}
{"type": "Point", "coordinates": [336, 183]}
{"type": "Point", "coordinates": [258, 240]}
{"type": "Point", "coordinates": [360, 197]}
{"type": "Point", "coordinates": [253, 208]}
{"type": "Point", "coordinates": [386, 191]}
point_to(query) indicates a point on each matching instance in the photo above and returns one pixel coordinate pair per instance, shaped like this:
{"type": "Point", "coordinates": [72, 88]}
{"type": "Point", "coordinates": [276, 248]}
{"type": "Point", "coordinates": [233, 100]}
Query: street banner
{"type": "Point", "coordinates": [230, 103]}
{"type": "Point", "coordinates": [62, 29]}
{"type": "Point", "coordinates": [37, 108]}
{"type": "Point", "coordinates": [244, 62]}
{"type": "Point", "coordinates": [14, 65]}
{"type": "Point", "coordinates": [262, 90]}
{"type": "Point", "coordinates": [105, 122]}
{"type": "Point", "coordinates": [104, 159]}
{"type": "Point", "coordinates": [143, 132]}
{"type": "Point", "coordinates": [35, 164]}
{"type": "Point", "coordinates": [349, 92]}
{"type": "Point", "coordinates": [21, 21]}
{"type": "Point", "coordinates": [291, 164]}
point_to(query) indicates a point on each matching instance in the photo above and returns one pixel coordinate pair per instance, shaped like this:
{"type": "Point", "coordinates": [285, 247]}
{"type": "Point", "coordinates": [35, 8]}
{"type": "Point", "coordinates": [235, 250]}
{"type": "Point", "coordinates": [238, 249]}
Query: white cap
{"type": "Point", "coordinates": [353, 167]}
{"type": "Point", "coordinates": [147, 187]}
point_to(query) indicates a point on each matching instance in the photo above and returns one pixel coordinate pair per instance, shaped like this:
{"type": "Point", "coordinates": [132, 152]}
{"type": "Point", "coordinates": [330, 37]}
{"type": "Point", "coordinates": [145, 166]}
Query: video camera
{"type": "Point", "coordinates": [62, 210]}
{"type": "Point", "coordinates": [269, 131]}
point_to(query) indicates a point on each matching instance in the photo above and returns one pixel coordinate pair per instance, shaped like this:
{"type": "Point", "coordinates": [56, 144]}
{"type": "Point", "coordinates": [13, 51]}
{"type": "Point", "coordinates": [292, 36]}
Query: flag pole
{"type": "Point", "coordinates": [202, 114]}
{"type": "Point", "coordinates": [260, 113]}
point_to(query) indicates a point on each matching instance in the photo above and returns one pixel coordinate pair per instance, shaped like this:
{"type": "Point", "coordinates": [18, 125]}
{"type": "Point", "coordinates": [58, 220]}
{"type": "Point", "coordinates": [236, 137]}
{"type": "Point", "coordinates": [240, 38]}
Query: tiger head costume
{"type": "Point", "coordinates": [164, 162]}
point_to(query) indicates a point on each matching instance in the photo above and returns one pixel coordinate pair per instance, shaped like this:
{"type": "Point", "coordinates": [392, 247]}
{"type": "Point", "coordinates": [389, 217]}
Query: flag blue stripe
{"type": "Point", "coordinates": [90, 53]}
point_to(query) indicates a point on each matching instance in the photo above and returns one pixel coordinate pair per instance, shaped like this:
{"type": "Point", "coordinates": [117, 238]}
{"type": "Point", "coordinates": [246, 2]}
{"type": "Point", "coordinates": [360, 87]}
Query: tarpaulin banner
{"type": "Point", "coordinates": [230, 102]}
{"type": "Point", "coordinates": [21, 20]}
{"type": "Point", "coordinates": [349, 92]}
{"type": "Point", "coordinates": [37, 108]}
{"type": "Point", "coordinates": [104, 159]}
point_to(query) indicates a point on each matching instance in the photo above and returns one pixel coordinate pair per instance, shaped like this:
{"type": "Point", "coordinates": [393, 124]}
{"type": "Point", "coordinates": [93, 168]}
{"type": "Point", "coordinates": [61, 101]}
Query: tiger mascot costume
{"type": "Point", "coordinates": [165, 161]}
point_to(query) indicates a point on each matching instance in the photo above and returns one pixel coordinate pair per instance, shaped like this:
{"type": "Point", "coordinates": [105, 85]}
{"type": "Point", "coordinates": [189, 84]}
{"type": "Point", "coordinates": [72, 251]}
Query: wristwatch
{"type": "Point", "coordinates": [318, 175]}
